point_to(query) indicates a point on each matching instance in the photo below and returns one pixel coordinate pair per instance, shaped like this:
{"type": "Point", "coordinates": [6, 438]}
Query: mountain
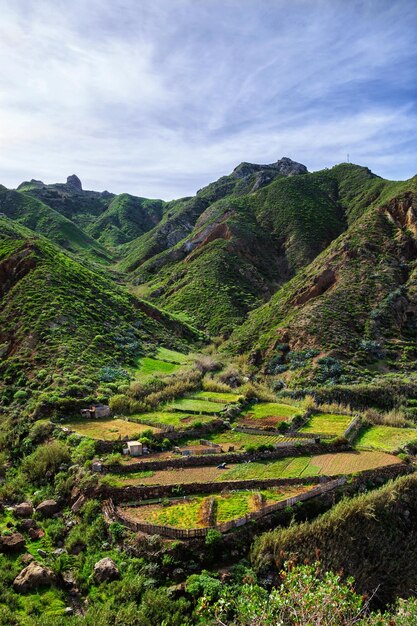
{"type": "Point", "coordinates": [226, 251]}
{"type": "Point", "coordinates": [61, 323]}
{"type": "Point", "coordinates": [43, 219]}
{"type": "Point", "coordinates": [356, 301]}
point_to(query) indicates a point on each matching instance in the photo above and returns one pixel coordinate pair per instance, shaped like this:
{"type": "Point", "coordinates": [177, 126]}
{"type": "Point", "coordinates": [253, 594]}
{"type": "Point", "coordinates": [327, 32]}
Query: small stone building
{"type": "Point", "coordinates": [134, 448]}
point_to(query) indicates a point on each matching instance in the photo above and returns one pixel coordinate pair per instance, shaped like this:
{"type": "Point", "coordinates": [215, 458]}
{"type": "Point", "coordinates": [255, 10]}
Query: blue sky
{"type": "Point", "coordinates": [160, 97]}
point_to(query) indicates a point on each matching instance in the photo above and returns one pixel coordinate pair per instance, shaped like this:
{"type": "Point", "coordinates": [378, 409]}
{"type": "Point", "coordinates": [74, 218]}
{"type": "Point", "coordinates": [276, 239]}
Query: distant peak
{"type": "Point", "coordinates": [74, 181]}
{"type": "Point", "coordinates": [284, 166]}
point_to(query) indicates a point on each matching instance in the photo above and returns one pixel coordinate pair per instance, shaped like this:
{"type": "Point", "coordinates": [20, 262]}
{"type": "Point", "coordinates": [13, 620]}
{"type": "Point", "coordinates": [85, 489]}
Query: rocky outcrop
{"type": "Point", "coordinates": [12, 543]}
{"type": "Point", "coordinates": [47, 508]}
{"type": "Point", "coordinates": [32, 577]}
{"type": "Point", "coordinates": [284, 166]}
{"type": "Point", "coordinates": [74, 182]}
{"type": "Point", "coordinates": [105, 570]}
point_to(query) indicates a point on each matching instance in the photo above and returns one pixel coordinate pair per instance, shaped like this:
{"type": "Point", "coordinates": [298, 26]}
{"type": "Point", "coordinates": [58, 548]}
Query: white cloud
{"type": "Point", "coordinates": [160, 97]}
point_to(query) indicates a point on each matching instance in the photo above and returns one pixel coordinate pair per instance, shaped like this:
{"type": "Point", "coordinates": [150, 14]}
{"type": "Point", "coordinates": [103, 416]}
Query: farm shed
{"type": "Point", "coordinates": [134, 448]}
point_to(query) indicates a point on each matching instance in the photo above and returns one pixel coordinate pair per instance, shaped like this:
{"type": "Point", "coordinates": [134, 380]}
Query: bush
{"type": "Point", "coordinates": [213, 537]}
{"type": "Point", "coordinates": [45, 461]}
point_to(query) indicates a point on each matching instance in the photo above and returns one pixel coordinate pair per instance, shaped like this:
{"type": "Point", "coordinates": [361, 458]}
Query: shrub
{"type": "Point", "coordinates": [213, 537]}
{"type": "Point", "coordinates": [205, 363]}
{"type": "Point", "coordinates": [45, 461]}
{"type": "Point", "coordinates": [209, 384]}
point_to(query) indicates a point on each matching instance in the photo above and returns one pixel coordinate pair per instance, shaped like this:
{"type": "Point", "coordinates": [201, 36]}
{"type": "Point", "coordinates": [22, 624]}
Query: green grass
{"type": "Point", "coordinates": [386, 438]}
{"type": "Point", "coordinates": [149, 366]}
{"type": "Point", "coordinates": [172, 418]}
{"type": "Point", "coordinates": [240, 440]}
{"type": "Point", "coordinates": [172, 356]}
{"type": "Point", "coordinates": [262, 410]}
{"type": "Point", "coordinates": [214, 396]}
{"type": "Point", "coordinates": [327, 424]}
{"type": "Point", "coordinates": [201, 406]}
{"type": "Point", "coordinates": [233, 505]}
{"type": "Point", "coordinates": [122, 479]}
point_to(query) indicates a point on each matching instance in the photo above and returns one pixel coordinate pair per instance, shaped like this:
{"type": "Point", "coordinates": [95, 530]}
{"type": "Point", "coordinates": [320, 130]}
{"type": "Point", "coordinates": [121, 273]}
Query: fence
{"type": "Point", "coordinates": [112, 514]}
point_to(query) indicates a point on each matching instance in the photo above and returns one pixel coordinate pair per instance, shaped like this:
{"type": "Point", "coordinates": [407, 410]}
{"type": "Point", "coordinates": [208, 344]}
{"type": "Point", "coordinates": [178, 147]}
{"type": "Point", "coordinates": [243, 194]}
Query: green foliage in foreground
{"type": "Point", "coordinates": [369, 537]}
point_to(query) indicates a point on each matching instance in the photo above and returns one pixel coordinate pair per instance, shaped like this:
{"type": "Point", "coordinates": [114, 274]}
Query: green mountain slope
{"type": "Point", "coordinates": [43, 219]}
{"type": "Point", "coordinates": [357, 299]}
{"type": "Point", "coordinates": [61, 323]}
{"type": "Point", "coordinates": [242, 247]}
{"type": "Point", "coordinates": [126, 218]}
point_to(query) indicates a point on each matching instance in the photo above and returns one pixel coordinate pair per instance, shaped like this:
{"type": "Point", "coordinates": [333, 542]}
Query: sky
{"type": "Point", "coordinates": [160, 97]}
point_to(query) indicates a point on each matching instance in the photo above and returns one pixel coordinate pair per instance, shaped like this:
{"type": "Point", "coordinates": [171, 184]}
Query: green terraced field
{"type": "Point", "coordinates": [188, 513]}
{"type": "Point", "coordinates": [213, 396]}
{"type": "Point", "coordinates": [386, 438]}
{"type": "Point", "coordinates": [200, 406]}
{"type": "Point", "coordinates": [164, 354]}
{"type": "Point", "coordinates": [288, 467]}
{"type": "Point", "coordinates": [149, 366]}
{"type": "Point", "coordinates": [327, 424]}
{"type": "Point", "coordinates": [172, 418]}
{"type": "Point", "coordinates": [271, 413]}
{"type": "Point", "coordinates": [240, 440]}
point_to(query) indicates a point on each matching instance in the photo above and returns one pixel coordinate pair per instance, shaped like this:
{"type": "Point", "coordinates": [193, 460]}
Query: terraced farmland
{"type": "Point", "coordinates": [238, 440]}
{"type": "Point", "coordinates": [327, 424]}
{"type": "Point", "coordinates": [387, 438]}
{"type": "Point", "coordinates": [149, 366]}
{"type": "Point", "coordinates": [189, 512]}
{"type": "Point", "coordinates": [197, 405]}
{"type": "Point", "coordinates": [172, 418]}
{"type": "Point", "coordinates": [108, 429]}
{"type": "Point", "coordinates": [216, 396]}
{"type": "Point", "coordinates": [288, 467]}
{"type": "Point", "coordinates": [269, 414]}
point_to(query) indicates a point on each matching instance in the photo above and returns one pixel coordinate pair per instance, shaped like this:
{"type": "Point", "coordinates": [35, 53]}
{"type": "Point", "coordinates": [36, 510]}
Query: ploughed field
{"type": "Point", "coordinates": [191, 512]}
{"type": "Point", "coordinates": [108, 429]}
{"type": "Point", "coordinates": [287, 467]}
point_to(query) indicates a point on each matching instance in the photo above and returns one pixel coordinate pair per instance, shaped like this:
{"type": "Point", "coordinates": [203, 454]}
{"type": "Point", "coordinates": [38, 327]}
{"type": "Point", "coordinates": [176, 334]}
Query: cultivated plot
{"type": "Point", "coordinates": [265, 414]}
{"type": "Point", "coordinates": [108, 429]}
{"type": "Point", "coordinates": [327, 424]}
{"type": "Point", "coordinates": [387, 438]}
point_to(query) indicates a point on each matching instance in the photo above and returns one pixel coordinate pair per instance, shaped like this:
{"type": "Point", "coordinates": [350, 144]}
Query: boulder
{"type": "Point", "coordinates": [12, 543]}
{"type": "Point", "coordinates": [105, 570]}
{"type": "Point", "coordinates": [24, 509]}
{"type": "Point", "coordinates": [47, 508]}
{"type": "Point", "coordinates": [26, 558]}
{"type": "Point", "coordinates": [26, 524]}
{"type": "Point", "coordinates": [36, 533]}
{"type": "Point", "coordinates": [32, 577]}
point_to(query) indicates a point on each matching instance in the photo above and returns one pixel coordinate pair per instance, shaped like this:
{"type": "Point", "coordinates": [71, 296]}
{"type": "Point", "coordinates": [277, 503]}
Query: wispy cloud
{"type": "Point", "coordinates": [159, 97]}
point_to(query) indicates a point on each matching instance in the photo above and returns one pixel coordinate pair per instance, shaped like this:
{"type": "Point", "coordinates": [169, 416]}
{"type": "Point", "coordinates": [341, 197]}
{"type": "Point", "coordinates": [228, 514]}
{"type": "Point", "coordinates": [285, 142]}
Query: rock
{"type": "Point", "coordinates": [68, 610]}
{"type": "Point", "coordinates": [32, 577]}
{"type": "Point", "coordinates": [47, 508]}
{"type": "Point", "coordinates": [59, 551]}
{"type": "Point", "coordinates": [26, 558]}
{"type": "Point", "coordinates": [78, 504]}
{"type": "Point", "coordinates": [26, 524]}
{"type": "Point", "coordinates": [105, 570]}
{"type": "Point", "coordinates": [42, 553]}
{"type": "Point", "coordinates": [12, 543]}
{"type": "Point", "coordinates": [74, 182]}
{"type": "Point", "coordinates": [36, 533]}
{"type": "Point", "coordinates": [24, 509]}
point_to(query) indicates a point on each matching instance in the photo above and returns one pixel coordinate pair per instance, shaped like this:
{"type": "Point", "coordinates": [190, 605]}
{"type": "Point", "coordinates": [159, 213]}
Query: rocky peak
{"type": "Point", "coordinates": [74, 182]}
{"type": "Point", "coordinates": [284, 166]}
